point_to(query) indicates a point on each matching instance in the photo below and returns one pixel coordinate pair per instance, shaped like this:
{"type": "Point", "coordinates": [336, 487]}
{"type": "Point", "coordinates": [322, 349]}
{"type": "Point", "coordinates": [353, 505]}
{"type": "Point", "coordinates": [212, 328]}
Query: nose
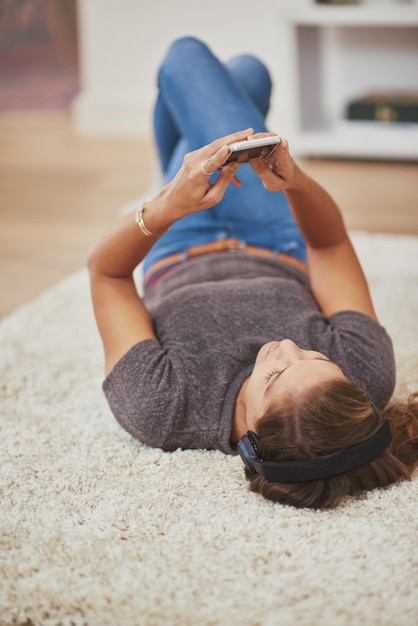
{"type": "Point", "coordinates": [288, 352]}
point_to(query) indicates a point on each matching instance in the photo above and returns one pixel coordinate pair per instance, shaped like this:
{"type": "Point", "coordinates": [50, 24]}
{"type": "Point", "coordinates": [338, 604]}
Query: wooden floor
{"type": "Point", "coordinates": [59, 191]}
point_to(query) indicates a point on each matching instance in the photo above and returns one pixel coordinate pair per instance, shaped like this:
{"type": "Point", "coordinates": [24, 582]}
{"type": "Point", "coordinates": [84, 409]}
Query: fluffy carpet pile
{"type": "Point", "coordinates": [97, 529]}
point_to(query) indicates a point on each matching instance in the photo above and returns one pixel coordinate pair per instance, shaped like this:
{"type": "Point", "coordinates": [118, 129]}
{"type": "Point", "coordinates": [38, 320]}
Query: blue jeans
{"type": "Point", "coordinates": [201, 99]}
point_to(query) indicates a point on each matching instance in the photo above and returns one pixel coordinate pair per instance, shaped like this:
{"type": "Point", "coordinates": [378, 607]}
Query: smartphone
{"type": "Point", "coordinates": [243, 151]}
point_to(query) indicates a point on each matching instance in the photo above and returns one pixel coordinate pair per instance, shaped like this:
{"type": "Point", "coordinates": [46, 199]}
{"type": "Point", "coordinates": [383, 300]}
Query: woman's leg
{"type": "Point", "coordinates": [240, 216]}
{"type": "Point", "coordinates": [246, 70]}
{"type": "Point", "coordinates": [200, 100]}
{"type": "Point", "coordinates": [254, 78]}
{"type": "Point", "coordinates": [203, 100]}
{"type": "Point", "coordinates": [166, 133]}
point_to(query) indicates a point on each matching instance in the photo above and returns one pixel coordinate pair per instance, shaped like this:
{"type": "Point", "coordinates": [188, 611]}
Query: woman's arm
{"type": "Point", "coordinates": [337, 279]}
{"type": "Point", "coordinates": [121, 316]}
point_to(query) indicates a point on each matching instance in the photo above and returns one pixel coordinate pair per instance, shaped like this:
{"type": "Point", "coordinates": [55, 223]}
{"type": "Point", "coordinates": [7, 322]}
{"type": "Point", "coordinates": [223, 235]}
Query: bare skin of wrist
{"type": "Point", "coordinates": [159, 214]}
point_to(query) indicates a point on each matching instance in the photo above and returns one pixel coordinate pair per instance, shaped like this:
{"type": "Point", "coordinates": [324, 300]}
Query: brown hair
{"type": "Point", "coordinates": [324, 421]}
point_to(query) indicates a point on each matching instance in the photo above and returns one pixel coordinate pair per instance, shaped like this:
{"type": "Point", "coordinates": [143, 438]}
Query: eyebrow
{"type": "Point", "coordinates": [277, 376]}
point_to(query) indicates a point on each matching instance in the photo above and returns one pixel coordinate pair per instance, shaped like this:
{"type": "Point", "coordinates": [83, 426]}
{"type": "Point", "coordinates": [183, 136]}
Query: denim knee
{"type": "Point", "coordinates": [254, 77]}
{"type": "Point", "coordinates": [248, 65]}
{"type": "Point", "coordinates": [180, 54]}
{"type": "Point", "coordinates": [188, 45]}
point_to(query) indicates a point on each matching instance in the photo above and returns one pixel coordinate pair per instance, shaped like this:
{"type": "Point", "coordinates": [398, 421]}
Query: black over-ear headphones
{"type": "Point", "coordinates": [313, 469]}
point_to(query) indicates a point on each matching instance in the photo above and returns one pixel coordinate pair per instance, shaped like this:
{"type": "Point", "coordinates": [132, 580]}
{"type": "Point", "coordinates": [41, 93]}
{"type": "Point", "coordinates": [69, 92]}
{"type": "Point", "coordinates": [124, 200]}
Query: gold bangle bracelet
{"type": "Point", "coordinates": [139, 219]}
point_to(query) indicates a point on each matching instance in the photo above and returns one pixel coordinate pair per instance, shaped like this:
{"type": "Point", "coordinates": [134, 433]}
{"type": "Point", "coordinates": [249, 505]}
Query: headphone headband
{"type": "Point", "coordinates": [314, 469]}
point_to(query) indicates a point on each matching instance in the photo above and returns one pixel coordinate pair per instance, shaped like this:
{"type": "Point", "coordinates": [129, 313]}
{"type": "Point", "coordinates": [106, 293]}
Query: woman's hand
{"type": "Point", "coordinates": [192, 189]}
{"type": "Point", "coordinates": [277, 171]}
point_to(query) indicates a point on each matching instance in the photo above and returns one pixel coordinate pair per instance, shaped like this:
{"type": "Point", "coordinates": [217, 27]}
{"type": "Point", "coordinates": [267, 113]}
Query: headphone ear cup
{"type": "Point", "coordinates": [255, 442]}
{"type": "Point", "coordinates": [248, 450]}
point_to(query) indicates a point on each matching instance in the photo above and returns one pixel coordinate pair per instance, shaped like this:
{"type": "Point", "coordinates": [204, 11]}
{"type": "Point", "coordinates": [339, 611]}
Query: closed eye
{"type": "Point", "coordinates": [270, 375]}
{"type": "Point", "coordinates": [275, 373]}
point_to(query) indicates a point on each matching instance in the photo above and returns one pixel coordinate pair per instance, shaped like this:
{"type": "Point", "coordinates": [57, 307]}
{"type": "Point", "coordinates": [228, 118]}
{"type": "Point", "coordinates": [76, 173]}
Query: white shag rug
{"type": "Point", "coordinates": [97, 529]}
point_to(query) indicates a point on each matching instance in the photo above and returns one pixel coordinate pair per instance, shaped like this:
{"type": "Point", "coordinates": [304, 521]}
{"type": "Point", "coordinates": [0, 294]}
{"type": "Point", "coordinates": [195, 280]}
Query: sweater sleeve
{"type": "Point", "coordinates": [364, 350]}
{"type": "Point", "coordinates": [145, 395]}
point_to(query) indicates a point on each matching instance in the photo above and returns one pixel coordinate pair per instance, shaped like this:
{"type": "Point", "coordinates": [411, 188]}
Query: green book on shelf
{"type": "Point", "coordinates": [385, 107]}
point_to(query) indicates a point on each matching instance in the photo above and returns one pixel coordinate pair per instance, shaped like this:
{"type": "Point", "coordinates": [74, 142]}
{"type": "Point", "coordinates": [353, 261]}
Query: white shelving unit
{"type": "Point", "coordinates": [333, 54]}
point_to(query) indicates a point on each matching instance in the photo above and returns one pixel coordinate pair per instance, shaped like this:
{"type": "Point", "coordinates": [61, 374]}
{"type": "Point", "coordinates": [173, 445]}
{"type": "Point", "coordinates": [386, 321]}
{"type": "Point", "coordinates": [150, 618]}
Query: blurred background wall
{"type": "Point", "coordinates": [99, 58]}
{"type": "Point", "coordinates": [123, 41]}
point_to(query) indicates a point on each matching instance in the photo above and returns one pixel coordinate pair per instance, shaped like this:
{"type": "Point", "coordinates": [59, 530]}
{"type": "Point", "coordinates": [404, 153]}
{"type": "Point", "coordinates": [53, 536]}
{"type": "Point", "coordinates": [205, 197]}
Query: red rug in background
{"type": "Point", "coordinates": [38, 56]}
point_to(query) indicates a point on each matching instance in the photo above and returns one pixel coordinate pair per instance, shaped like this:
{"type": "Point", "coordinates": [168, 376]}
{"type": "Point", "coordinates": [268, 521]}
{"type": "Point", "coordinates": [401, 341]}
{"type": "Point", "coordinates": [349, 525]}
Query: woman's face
{"type": "Point", "coordinates": [283, 370]}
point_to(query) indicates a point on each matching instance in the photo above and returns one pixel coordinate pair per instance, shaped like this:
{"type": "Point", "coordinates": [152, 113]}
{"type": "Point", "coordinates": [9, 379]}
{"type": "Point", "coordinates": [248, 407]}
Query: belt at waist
{"type": "Point", "coordinates": [160, 267]}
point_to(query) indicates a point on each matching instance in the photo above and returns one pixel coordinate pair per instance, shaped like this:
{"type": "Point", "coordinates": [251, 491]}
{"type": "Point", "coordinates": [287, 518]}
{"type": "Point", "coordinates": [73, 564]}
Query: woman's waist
{"type": "Point", "coordinates": [228, 246]}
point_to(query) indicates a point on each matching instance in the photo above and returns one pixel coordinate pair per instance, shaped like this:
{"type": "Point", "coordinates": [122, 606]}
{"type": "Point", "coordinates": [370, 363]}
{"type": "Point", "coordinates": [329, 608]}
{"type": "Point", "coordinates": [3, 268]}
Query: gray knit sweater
{"type": "Point", "coordinates": [211, 316]}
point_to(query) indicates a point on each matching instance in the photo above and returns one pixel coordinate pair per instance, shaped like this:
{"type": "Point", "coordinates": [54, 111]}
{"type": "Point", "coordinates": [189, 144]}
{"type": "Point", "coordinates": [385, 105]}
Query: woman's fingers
{"type": "Point", "coordinates": [270, 180]}
{"type": "Point", "coordinates": [276, 170]}
{"type": "Point", "coordinates": [240, 135]}
{"type": "Point", "coordinates": [215, 154]}
{"type": "Point", "coordinates": [209, 165]}
{"type": "Point", "coordinates": [215, 192]}
{"type": "Point", "coordinates": [202, 168]}
{"type": "Point", "coordinates": [193, 184]}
